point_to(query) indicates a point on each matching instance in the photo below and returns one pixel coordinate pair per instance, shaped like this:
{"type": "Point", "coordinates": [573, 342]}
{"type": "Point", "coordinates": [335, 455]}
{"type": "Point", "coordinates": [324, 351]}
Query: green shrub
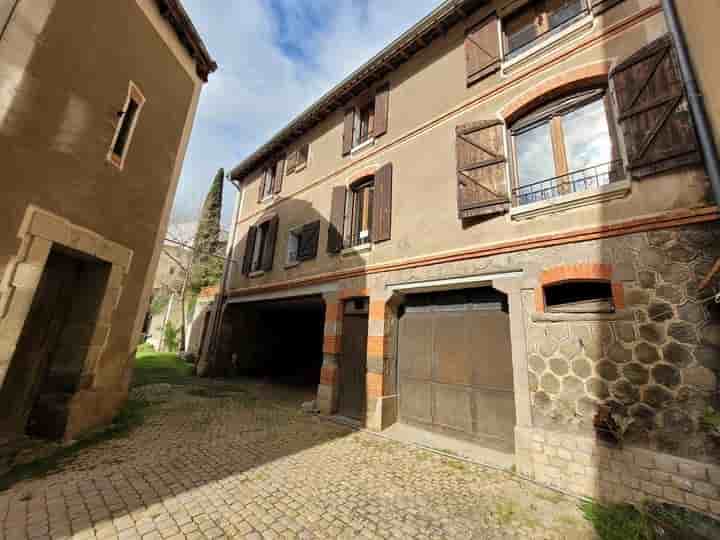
{"type": "Point", "coordinates": [172, 339]}
{"type": "Point", "coordinates": [618, 521]}
{"type": "Point", "coordinates": [145, 348]}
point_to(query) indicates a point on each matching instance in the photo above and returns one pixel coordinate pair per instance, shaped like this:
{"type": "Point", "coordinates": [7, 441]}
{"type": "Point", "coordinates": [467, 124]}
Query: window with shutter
{"type": "Point", "coordinates": [303, 154]}
{"type": "Point", "coordinates": [482, 49]}
{"type": "Point", "coordinates": [481, 171]}
{"type": "Point", "coordinates": [337, 220]}
{"type": "Point", "coordinates": [268, 244]}
{"type": "Point", "coordinates": [348, 131]}
{"type": "Point", "coordinates": [249, 250]}
{"type": "Point", "coordinates": [382, 208]}
{"type": "Point", "coordinates": [279, 173]}
{"type": "Point", "coordinates": [382, 98]}
{"type": "Point", "coordinates": [652, 111]}
{"type": "Point", "coordinates": [309, 236]}
{"type": "Point", "coordinates": [292, 162]}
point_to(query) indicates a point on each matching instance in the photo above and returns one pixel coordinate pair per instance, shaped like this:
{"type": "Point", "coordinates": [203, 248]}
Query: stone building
{"type": "Point", "coordinates": [498, 231]}
{"type": "Point", "coordinates": [97, 101]}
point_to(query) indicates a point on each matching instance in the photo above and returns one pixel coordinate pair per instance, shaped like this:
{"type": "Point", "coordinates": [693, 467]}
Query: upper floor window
{"type": "Point", "coordinates": [128, 118]}
{"type": "Point", "coordinates": [260, 246]}
{"type": "Point", "coordinates": [537, 20]}
{"type": "Point", "coordinates": [303, 243]}
{"type": "Point", "coordinates": [564, 147]}
{"type": "Point", "coordinates": [298, 160]}
{"type": "Point", "coordinates": [270, 175]}
{"type": "Point", "coordinates": [271, 180]}
{"type": "Point", "coordinates": [366, 121]}
{"type": "Point", "coordinates": [261, 236]}
{"type": "Point", "coordinates": [361, 212]}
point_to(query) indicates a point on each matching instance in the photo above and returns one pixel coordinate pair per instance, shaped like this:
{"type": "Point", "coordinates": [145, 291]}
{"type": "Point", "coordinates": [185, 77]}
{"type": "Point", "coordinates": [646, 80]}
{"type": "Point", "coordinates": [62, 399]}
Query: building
{"type": "Point", "coordinates": [95, 118]}
{"type": "Point", "coordinates": [499, 230]}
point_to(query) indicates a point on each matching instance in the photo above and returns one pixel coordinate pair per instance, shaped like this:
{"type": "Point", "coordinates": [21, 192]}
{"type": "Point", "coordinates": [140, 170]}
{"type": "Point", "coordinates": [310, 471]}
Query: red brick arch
{"type": "Point", "coordinates": [580, 271]}
{"type": "Point", "coordinates": [574, 79]}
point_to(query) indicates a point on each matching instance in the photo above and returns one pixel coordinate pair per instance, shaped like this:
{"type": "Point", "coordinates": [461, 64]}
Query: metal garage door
{"type": "Point", "coordinates": [455, 366]}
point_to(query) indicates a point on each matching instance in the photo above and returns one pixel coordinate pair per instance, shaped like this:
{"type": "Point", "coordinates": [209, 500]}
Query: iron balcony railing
{"type": "Point", "coordinates": [574, 182]}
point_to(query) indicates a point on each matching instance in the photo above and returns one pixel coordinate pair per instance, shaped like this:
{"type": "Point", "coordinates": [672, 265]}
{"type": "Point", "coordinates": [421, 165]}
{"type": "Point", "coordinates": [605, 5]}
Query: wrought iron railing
{"type": "Point", "coordinates": [574, 182]}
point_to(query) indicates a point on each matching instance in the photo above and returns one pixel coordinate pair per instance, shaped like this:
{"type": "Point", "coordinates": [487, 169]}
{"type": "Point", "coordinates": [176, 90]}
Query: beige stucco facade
{"type": "Point", "coordinates": [65, 69]}
{"type": "Point", "coordinates": [652, 239]}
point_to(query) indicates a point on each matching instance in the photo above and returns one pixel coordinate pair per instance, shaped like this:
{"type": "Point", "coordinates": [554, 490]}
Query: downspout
{"type": "Point", "coordinates": [9, 17]}
{"type": "Point", "coordinates": [696, 101]}
{"type": "Point", "coordinates": [208, 359]}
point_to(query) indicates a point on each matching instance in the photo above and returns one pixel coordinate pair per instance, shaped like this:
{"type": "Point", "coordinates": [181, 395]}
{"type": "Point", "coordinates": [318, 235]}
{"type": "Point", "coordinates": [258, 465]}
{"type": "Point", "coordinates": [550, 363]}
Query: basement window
{"type": "Point", "coordinates": [589, 296]}
{"type": "Point", "coordinates": [127, 121]}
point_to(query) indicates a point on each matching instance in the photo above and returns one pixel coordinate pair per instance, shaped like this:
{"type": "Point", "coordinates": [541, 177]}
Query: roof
{"type": "Point", "coordinates": [174, 12]}
{"type": "Point", "coordinates": [389, 59]}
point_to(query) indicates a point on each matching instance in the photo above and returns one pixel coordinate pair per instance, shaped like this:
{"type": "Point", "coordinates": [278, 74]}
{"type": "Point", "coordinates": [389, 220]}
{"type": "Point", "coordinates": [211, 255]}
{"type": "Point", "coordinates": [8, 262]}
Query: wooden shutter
{"type": "Point", "coordinates": [482, 49]}
{"type": "Point", "coordinates": [249, 248]}
{"type": "Point", "coordinates": [261, 186]}
{"type": "Point", "coordinates": [481, 171]}
{"type": "Point", "coordinates": [337, 220]}
{"type": "Point", "coordinates": [309, 237]}
{"type": "Point", "coordinates": [382, 204]}
{"type": "Point", "coordinates": [269, 250]}
{"type": "Point", "coordinates": [292, 162]}
{"type": "Point", "coordinates": [302, 156]}
{"type": "Point", "coordinates": [382, 98]}
{"type": "Point", "coordinates": [652, 111]}
{"type": "Point", "coordinates": [598, 6]}
{"type": "Point", "coordinates": [279, 173]}
{"type": "Point", "coordinates": [348, 131]}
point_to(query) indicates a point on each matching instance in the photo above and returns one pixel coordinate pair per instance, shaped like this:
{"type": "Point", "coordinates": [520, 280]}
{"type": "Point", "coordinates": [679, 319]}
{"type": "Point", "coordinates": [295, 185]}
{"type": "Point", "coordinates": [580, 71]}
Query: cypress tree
{"type": "Point", "coordinates": [207, 270]}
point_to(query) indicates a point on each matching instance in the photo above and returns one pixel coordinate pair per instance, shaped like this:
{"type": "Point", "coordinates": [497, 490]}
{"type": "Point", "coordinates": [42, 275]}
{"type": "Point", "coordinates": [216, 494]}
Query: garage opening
{"type": "Point", "coordinates": [455, 366]}
{"type": "Point", "coordinates": [279, 340]}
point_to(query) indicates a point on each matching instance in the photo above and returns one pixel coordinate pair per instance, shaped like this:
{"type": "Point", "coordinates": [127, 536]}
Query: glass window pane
{"type": "Point", "coordinates": [534, 155]}
{"type": "Point", "coordinates": [587, 137]}
{"type": "Point", "coordinates": [562, 11]}
{"type": "Point", "coordinates": [521, 29]}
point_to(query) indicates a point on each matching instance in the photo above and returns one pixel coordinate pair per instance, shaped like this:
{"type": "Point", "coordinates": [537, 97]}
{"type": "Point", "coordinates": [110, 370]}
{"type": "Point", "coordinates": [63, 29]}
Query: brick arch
{"type": "Point", "coordinates": [581, 271]}
{"type": "Point", "coordinates": [370, 170]}
{"type": "Point", "coordinates": [574, 79]}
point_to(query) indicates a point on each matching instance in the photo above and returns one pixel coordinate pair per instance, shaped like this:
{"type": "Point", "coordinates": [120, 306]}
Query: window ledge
{"type": "Point", "coordinates": [619, 315]}
{"type": "Point", "coordinates": [292, 264]}
{"type": "Point", "coordinates": [615, 190]}
{"type": "Point", "coordinates": [268, 199]}
{"type": "Point", "coordinates": [355, 250]}
{"type": "Point", "coordinates": [360, 147]}
{"type": "Point", "coordinates": [550, 42]}
{"type": "Point", "coordinates": [257, 273]}
{"type": "Point", "coordinates": [301, 168]}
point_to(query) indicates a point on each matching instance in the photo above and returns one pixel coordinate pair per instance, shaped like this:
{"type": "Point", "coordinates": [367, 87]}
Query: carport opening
{"type": "Point", "coordinates": [280, 340]}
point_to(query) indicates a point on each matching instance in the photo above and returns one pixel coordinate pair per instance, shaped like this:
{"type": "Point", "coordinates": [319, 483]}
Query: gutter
{"type": "Point", "coordinates": [696, 100]}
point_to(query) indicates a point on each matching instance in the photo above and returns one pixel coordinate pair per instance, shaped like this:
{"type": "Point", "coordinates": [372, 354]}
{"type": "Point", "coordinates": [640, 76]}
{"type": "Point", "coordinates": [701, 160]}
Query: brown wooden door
{"type": "Point", "coordinates": [353, 366]}
{"type": "Point", "coordinates": [41, 332]}
{"type": "Point", "coordinates": [455, 371]}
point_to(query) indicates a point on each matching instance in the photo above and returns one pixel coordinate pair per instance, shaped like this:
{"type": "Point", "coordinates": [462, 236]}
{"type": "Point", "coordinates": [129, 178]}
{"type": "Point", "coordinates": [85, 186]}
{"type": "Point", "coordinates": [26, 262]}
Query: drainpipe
{"type": "Point", "coordinates": [8, 17]}
{"type": "Point", "coordinates": [696, 101]}
{"type": "Point", "coordinates": [220, 300]}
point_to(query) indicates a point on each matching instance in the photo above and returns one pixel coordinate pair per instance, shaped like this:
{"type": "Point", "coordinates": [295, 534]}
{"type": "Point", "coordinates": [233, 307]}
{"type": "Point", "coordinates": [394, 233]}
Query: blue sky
{"type": "Point", "coordinates": [276, 57]}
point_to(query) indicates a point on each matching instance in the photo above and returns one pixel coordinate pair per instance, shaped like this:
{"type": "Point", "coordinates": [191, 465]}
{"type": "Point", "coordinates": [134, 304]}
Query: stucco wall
{"type": "Point", "coordinates": [65, 69]}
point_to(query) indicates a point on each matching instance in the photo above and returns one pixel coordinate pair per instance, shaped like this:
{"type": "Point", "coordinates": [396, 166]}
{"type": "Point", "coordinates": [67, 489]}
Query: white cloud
{"type": "Point", "coordinates": [276, 57]}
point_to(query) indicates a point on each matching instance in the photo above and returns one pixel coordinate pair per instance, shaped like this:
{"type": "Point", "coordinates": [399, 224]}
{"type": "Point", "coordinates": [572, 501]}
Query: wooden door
{"type": "Point", "coordinates": [41, 332]}
{"type": "Point", "coordinates": [353, 366]}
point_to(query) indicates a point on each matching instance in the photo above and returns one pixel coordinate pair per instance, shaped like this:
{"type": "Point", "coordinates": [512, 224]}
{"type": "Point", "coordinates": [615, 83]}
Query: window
{"type": "Point", "coordinates": [293, 246]}
{"type": "Point", "coordinates": [565, 147]}
{"type": "Point", "coordinates": [579, 297]}
{"type": "Point", "coordinates": [364, 123]}
{"type": "Point", "coordinates": [127, 122]}
{"type": "Point", "coordinates": [361, 212]}
{"type": "Point", "coordinates": [261, 241]}
{"type": "Point", "coordinates": [367, 120]}
{"type": "Point", "coordinates": [303, 243]}
{"type": "Point", "coordinates": [267, 186]}
{"type": "Point", "coordinates": [298, 159]}
{"type": "Point", "coordinates": [538, 20]}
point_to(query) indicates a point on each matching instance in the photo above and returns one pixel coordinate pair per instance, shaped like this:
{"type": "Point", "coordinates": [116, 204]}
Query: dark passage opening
{"type": "Point", "coordinates": [49, 361]}
{"type": "Point", "coordinates": [281, 340]}
{"type": "Point", "coordinates": [580, 297]}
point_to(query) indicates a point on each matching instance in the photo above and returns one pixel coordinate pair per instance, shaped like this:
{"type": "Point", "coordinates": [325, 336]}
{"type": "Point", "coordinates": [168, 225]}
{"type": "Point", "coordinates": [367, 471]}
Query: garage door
{"type": "Point", "coordinates": [456, 367]}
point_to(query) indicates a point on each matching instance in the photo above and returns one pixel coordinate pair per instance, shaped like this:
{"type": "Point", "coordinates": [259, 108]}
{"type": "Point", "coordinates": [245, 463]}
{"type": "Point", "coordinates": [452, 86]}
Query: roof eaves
{"type": "Point", "coordinates": [404, 47]}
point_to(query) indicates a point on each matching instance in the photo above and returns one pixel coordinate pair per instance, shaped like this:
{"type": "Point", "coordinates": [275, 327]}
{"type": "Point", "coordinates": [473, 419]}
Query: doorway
{"type": "Point", "coordinates": [49, 360]}
{"type": "Point", "coordinates": [353, 360]}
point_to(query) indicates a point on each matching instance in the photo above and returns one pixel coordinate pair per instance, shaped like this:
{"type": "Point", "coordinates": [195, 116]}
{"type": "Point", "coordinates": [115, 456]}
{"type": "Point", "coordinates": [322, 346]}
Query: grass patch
{"type": "Point", "coordinates": [155, 368]}
{"type": "Point", "coordinates": [618, 521]}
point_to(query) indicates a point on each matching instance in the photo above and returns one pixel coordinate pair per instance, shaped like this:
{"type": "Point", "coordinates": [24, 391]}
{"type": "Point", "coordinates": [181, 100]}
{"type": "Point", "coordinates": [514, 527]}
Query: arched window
{"type": "Point", "coordinates": [565, 146]}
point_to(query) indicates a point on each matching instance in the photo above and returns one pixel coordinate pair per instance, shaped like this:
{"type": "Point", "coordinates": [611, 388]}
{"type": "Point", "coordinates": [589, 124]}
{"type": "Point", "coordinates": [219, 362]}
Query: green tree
{"type": "Point", "coordinates": [206, 269]}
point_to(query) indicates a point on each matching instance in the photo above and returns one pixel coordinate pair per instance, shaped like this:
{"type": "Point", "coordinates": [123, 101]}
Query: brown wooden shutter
{"type": "Point", "coordinates": [481, 171]}
{"type": "Point", "coordinates": [337, 220]}
{"type": "Point", "coordinates": [292, 162]}
{"type": "Point", "coordinates": [261, 186]}
{"type": "Point", "coordinates": [652, 111]}
{"type": "Point", "coordinates": [598, 6]}
{"type": "Point", "coordinates": [382, 98]}
{"type": "Point", "coordinates": [269, 251]}
{"type": "Point", "coordinates": [309, 237]}
{"type": "Point", "coordinates": [382, 204]}
{"type": "Point", "coordinates": [279, 173]}
{"type": "Point", "coordinates": [249, 248]}
{"type": "Point", "coordinates": [482, 49]}
{"type": "Point", "coordinates": [348, 128]}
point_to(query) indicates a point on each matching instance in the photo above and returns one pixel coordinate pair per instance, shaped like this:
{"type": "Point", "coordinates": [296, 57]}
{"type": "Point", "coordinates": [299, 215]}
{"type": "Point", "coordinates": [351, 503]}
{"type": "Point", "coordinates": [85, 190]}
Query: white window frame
{"type": "Point", "coordinates": [136, 95]}
{"type": "Point", "coordinates": [270, 174]}
{"type": "Point", "coordinates": [294, 234]}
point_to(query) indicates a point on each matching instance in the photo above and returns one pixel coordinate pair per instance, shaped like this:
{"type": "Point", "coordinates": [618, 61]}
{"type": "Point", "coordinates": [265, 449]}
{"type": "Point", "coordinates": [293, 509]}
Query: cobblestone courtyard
{"type": "Point", "coordinates": [220, 460]}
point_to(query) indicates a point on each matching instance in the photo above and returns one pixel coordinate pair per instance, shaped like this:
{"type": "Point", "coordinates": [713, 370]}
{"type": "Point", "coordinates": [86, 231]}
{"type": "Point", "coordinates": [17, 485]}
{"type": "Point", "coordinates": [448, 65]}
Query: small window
{"type": "Point", "coordinates": [303, 154]}
{"type": "Point", "coordinates": [579, 297]}
{"type": "Point", "coordinates": [128, 118]}
{"type": "Point", "coordinates": [361, 206]}
{"type": "Point", "coordinates": [270, 173]}
{"type": "Point", "coordinates": [261, 240]}
{"type": "Point", "coordinates": [537, 20]}
{"type": "Point", "coordinates": [294, 246]}
{"type": "Point", "coordinates": [364, 123]}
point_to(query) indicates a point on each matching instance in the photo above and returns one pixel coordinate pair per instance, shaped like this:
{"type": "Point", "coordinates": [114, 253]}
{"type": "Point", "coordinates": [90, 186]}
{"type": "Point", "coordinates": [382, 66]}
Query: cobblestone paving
{"type": "Point", "coordinates": [211, 461]}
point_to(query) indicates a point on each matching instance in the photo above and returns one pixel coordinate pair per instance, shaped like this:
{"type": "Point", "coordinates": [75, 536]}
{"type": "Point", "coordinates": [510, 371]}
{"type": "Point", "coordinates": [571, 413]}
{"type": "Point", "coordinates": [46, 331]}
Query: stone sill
{"type": "Point", "coordinates": [360, 147]}
{"type": "Point", "coordinates": [257, 273]}
{"type": "Point", "coordinates": [619, 315]}
{"type": "Point", "coordinates": [609, 192]}
{"type": "Point", "coordinates": [356, 250]}
{"type": "Point", "coordinates": [292, 264]}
